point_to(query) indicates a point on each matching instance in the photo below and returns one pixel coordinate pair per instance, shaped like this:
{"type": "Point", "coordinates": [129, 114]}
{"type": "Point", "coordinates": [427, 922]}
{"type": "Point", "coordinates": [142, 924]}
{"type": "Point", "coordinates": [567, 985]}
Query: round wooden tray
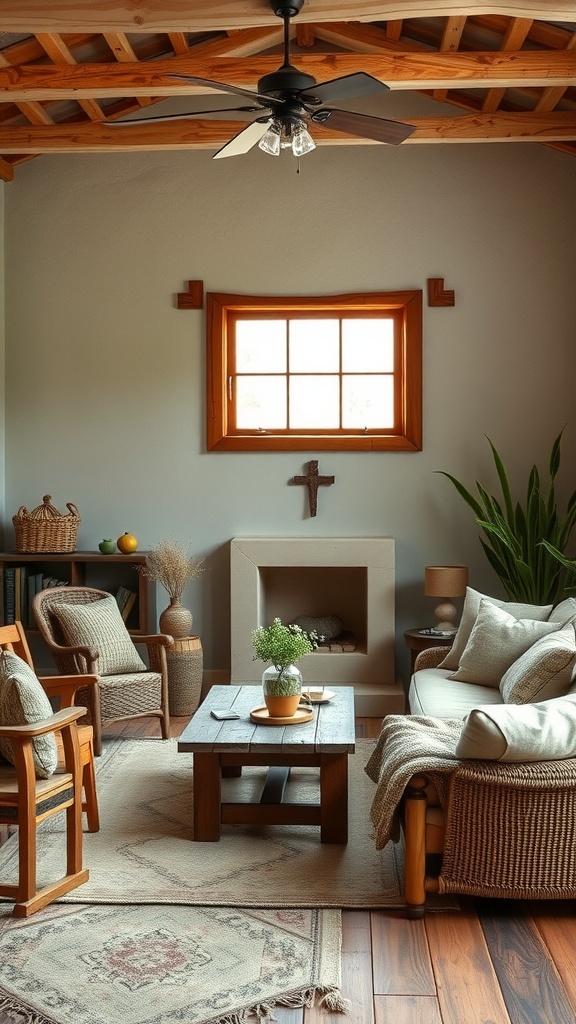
{"type": "Point", "coordinates": [261, 716]}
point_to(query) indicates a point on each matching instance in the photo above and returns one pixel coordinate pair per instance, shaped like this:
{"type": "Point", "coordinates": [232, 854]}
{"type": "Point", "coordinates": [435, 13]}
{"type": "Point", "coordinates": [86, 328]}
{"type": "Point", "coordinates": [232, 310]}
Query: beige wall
{"type": "Point", "coordinates": [105, 377]}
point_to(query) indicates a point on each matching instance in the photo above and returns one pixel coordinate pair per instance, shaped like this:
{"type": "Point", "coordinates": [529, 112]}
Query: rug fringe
{"type": "Point", "coordinates": [330, 998]}
{"type": "Point", "coordinates": [16, 1012]}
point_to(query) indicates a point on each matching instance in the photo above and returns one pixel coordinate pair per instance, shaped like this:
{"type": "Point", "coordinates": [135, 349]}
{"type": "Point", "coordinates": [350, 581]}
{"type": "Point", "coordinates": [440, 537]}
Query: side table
{"type": "Point", "coordinates": [185, 665]}
{"type": "Point", "coordinates": [417, 641]}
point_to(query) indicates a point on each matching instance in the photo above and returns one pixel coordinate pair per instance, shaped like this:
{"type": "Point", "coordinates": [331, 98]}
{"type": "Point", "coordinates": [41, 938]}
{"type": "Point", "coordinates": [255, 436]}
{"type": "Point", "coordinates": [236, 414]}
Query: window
{"type": "Point", "coordinates": [330, 373]}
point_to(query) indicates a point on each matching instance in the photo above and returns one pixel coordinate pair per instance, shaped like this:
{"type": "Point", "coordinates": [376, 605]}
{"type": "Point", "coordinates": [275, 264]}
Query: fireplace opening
{"type": "Point", "coordinates": [288, 592]}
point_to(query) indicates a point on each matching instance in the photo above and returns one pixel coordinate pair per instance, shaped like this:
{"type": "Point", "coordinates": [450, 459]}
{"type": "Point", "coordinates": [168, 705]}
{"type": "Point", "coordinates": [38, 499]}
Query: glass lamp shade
{"type": "Point", "coordinates": [302, 141]}
{"type": "Point", "coordinates": [445, 581]}
{"type": "Point", "coordinates": [287, 136]}
{"type": "Point", "coordinates": [270, 141]}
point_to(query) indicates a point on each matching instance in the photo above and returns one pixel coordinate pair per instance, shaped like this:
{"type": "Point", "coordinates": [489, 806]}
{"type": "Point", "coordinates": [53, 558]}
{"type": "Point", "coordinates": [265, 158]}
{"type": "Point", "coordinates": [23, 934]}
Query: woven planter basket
{"type": "Point", "coordinates": [45, 529]}
{"type": "Point", "coordinates": [185, 666]}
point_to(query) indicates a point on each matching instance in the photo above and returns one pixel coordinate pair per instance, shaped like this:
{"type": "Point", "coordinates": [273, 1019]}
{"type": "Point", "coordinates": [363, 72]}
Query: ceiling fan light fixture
{"type": "Point", "coordinates": [302, 141]}
{"type": "Point", "coordinates": [270, 142]}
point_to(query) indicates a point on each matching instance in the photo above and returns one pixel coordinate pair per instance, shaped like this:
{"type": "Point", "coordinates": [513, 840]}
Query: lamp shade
{"type": "Point", "coordinates": [445, 580]}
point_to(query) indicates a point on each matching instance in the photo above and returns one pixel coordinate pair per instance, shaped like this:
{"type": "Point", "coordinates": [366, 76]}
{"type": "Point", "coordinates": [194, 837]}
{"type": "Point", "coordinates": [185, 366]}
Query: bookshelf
{"type": "Point", "coordinates": [93, 569]}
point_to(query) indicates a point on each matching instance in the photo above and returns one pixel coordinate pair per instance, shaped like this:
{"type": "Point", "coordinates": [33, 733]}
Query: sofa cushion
{"type": "Point", "coordinates": [433, 692]}
{"type": "Point", "coordinates": [564, 612]}
{"type": "Point", "coordinates": [545, 731]}
{"type": "Point", "coordinates": [497, 639]}
{"type": "Point", "coordinates": [468, 618]}
{"type": "Point", "coordinates": [23, 700]}
{"type": "Point", "coordinates": [544, 671]}
{"type": "Point", "coordinates": [100, 625]}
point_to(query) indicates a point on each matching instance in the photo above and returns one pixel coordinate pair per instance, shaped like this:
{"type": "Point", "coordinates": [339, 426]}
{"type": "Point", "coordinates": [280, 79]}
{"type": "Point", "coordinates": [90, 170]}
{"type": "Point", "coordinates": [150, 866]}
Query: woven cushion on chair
{"type": "Point", "coordinates": [100, 625]}
{"type": "Point", "coordinates": [23, 700]}
{"type": "Point", "coordinates": [130, 693]}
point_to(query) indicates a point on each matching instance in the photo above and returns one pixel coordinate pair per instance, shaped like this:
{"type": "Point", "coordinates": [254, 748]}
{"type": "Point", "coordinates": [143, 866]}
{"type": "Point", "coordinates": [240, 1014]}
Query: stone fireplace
{"type": "Point", "coordinates": [352, 578]}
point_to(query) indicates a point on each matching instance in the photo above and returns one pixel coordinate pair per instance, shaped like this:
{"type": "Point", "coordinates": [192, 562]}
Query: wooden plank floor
{"type": "Point", "coordinates": [491, 962]}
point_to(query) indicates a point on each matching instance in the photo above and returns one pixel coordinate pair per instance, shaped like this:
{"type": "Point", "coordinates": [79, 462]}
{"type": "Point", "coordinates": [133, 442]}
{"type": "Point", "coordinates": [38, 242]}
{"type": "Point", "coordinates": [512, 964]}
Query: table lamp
{"type": "Point", "coordinates": [445, 582]}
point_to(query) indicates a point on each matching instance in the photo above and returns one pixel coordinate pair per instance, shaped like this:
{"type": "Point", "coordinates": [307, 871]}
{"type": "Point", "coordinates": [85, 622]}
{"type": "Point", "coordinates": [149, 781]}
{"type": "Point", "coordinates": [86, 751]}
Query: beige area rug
{"type": "Point", "coordinates": [144, 851]}
{"type": "Point", "coordinates": [74, 964]}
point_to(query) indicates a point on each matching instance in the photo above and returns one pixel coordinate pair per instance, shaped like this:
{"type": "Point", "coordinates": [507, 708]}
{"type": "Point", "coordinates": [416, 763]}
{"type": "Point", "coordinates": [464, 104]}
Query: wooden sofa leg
{"type": "Point", "coordinates": [415, 846]}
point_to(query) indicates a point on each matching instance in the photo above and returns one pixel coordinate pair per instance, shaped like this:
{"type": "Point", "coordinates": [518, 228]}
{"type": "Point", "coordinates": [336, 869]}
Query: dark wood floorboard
{"type": "Point", "coordinates": [491, 962]}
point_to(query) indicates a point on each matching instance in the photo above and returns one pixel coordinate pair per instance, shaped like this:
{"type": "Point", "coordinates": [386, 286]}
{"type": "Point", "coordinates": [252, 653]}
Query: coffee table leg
{"type": "Point", "coordinates": [334, 798]}
{"type": "Point", "coordinates": [207, 798]}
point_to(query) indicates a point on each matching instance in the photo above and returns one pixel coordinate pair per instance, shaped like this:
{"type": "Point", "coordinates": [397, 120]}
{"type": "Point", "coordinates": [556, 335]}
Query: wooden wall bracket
{"type": "Point", "coordinates": [437, 295]}
{"type": "Point", "coordinates": [193, 298]}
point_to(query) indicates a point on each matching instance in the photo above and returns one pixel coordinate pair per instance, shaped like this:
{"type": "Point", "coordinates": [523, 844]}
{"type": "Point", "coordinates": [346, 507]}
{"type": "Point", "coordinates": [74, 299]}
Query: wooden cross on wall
{"type": "Point", "coordinates": [313, 481]}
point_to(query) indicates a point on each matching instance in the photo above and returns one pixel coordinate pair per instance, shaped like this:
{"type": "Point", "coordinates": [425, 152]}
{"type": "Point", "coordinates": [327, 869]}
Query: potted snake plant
{"type": "Point", "coordinates": [525, 543]}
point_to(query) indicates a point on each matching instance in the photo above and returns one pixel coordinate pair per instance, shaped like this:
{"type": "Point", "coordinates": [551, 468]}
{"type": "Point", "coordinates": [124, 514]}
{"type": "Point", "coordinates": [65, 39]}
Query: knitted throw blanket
{"type": "Point", "coordinates": [407, 745]}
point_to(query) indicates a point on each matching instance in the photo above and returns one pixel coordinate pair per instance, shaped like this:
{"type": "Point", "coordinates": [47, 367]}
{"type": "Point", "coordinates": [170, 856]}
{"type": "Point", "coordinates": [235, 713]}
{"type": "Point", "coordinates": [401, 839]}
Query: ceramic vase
{"type": "Point", "coordinates": [282, 690]}
{"type": "Point", "coordinates": [176, 620]}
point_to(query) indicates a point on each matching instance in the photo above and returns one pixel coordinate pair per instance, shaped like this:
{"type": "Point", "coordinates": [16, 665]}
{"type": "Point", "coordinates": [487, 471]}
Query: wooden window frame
{"type": "Point", "coordinates": [222, 308]}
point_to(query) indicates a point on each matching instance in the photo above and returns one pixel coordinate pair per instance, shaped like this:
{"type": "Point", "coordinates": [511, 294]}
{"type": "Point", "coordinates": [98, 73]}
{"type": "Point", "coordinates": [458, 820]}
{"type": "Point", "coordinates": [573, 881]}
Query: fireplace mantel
{"type": "Point", "coordinates": [351, 577]}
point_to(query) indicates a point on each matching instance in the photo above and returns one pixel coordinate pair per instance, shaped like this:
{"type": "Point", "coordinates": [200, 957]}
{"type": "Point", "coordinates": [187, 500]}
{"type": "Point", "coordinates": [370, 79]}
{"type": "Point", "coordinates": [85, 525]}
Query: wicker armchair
{"type": "Point", "coordinates": [117, 697]}
{"type": "Point", "coordinates": [490, 829]}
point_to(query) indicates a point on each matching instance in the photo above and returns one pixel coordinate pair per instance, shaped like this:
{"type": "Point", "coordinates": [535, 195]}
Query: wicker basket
{"type": "Point", "coordinates": [185, 664]}
{"type": "Point", "coordinates": [45, 529]}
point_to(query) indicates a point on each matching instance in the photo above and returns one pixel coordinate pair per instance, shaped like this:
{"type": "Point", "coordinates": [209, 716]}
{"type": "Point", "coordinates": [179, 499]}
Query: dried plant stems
{"type": "Point", "coordinates": [170, 564]}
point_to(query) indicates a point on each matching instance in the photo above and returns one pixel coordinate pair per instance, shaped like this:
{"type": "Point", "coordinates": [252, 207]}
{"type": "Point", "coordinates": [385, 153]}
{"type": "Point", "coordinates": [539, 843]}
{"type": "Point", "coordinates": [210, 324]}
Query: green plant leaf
{"type": "Point", "coordinates": [525, 543]}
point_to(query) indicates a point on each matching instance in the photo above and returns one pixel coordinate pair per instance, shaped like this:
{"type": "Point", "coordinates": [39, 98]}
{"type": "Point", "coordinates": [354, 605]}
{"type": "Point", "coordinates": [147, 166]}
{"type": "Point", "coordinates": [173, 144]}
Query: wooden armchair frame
{"type": "Point", "coordinates": [64, 689]}
{"type": "Point", "coordinates": [26, 801]}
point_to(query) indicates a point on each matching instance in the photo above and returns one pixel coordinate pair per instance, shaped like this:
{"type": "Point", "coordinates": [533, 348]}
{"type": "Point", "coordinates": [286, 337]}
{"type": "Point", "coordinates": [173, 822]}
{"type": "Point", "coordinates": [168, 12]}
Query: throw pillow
{"type": "Point", "coordinates": [23, 700]}
{"type": "Point", "coordinates": [520, 732]}
{"type": "Point", "coordinates": [497, 639]}
{"type": "Point", "coordinates": [468, 618]}
{"type": "Point", "coordinates": [544, 671]}
{"type": "Point", "coordinates": [100, 625]}
{"type": "Point", "coordinates": [564, 612]}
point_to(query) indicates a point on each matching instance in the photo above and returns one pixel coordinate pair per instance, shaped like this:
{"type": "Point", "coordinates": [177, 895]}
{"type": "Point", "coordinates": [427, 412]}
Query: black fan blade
{"type": "Point", "coordinates": [234, 113]}
{"type": "Point", "coordinates": [359, 84]}
{"type": "Point", "coordinates": [378, 128]}
{"type": "Point", "coordinates": [244, 141]}
{"type": "Point", "coordinates": [267, 101]}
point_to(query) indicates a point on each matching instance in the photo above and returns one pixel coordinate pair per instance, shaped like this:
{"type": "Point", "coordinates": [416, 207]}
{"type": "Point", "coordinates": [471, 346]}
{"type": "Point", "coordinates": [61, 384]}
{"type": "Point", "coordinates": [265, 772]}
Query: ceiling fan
{"type": "Point", "coordinates": [287, 98]}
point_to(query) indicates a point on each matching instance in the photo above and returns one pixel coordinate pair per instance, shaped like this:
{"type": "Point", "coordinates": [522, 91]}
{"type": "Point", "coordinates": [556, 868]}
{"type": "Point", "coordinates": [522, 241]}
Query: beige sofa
{"type": "Point", "coordinates": [502, 823]}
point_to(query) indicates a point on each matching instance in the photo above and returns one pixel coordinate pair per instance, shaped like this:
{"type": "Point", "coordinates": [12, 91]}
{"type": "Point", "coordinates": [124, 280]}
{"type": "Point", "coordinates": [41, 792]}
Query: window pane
{"type": "Point", "coordinates": [261, 346]}
{"type": "Point", "coordinates": [368, 346]}
{"type": "Point", "coordinates": [314, 346]}
{"type": "Point", "coordinates": [368, 401]}
{"type": "Point", "coordinates": [261, 403]}
{"type": "Point", "coordinates": [314, 402]}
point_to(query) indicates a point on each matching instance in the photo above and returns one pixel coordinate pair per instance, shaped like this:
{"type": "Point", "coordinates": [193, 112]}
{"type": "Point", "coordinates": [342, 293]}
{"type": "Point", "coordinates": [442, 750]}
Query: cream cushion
{"type": "Point", "coordinates": [497, 639]}
{"type": "Point", "coordinates": [545, 731]}
{"type": "Point", "coordinates": [564, 612]}
{"type": "Point", "coordinates": [468, 618]}
{"type": "Point", "coordinates": [433, 692]}
{"type": "Point", "coordinates": [544, 671]}
{"type": "Point", "coordinates": [100, 625]}
{"type": "Point", "coordinates": [24, 701]}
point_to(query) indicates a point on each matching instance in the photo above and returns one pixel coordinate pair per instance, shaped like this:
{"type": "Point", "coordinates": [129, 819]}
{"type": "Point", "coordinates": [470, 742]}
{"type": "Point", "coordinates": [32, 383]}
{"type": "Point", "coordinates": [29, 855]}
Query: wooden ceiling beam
{"type": "Point", "coordinates": [62, 16]}
{"type": "Point", "coordinates": [89, 138]}
{"type": "Point", "coordinates": [408, 70]}
{"type": "Point", "coordinates": [59, 52]}
{"type": "Point", "coordinates": [515, 35]}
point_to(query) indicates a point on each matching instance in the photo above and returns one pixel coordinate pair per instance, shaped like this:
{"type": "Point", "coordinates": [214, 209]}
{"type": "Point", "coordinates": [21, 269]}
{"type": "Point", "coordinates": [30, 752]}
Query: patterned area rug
{"type": "Point", "coordinates": [165, 964]}
{"type": "Point", "coordinates": [144, 851]}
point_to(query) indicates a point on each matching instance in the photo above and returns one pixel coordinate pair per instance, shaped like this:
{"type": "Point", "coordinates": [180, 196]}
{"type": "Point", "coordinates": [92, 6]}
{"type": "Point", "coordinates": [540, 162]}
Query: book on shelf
{"type": "Point", "coordinates": [125, 599]}
{"type": "Point", "coordinates": [131, 601]}
{"type": "Point", "coordinates": [9, 574]}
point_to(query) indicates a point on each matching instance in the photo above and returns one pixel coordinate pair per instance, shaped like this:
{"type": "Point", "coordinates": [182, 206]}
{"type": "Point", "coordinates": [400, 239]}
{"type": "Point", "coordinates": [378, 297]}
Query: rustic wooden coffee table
{"type": "Point", "coordinates": [226, 746]}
